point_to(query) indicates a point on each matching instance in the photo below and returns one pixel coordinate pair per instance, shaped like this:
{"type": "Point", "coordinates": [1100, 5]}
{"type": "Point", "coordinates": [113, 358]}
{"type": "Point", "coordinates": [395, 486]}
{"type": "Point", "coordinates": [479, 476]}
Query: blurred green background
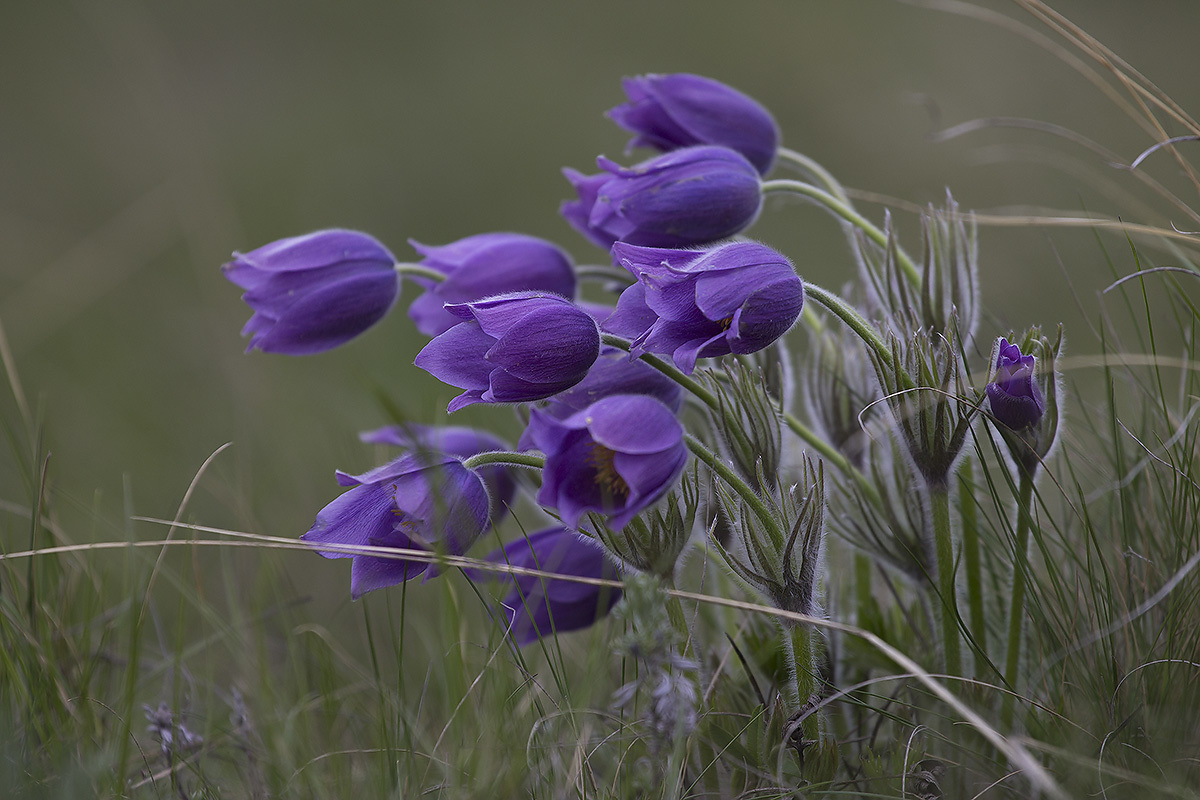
{"type": "Point", "coordinates": [142, 142]}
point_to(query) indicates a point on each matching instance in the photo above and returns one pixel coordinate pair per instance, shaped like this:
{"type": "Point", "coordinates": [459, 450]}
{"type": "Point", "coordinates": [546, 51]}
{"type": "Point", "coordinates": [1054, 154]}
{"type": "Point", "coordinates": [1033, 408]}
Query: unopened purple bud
{"type": "Point", "coordinates": [513, 348]}
{"type": "Point", "coordinates": [485, 265]}
{"type": "Point", "coordinates": [734, 298]}
{"type": "Point", "coordinates": [1012, 392]}
{"type": "Point", "coordinates": [312, 293]}
{"type": "Point", "coordinates": [686, 197]}
{"type": "Point", "coordinates": [667, 112]}
{"type": "Point", "coordinates": [543, 606]}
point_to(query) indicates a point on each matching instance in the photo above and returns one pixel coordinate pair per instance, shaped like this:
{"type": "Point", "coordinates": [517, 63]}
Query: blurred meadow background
{"type": "Point", "coordinates": [141, 143]}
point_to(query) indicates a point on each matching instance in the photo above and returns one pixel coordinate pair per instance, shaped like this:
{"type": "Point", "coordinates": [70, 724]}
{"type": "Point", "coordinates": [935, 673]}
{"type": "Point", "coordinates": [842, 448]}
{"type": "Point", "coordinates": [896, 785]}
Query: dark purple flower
{"type": "Point", "coordinates": [541, 607]}
{"type": "Point", "coordinates": [616, 457]}
{"type": "Point", "coordinates": [1012, 393]}
{"type": "Point", "coordinates": [735, 298]}
{"type": "Point", "coordinates": [411, 503]}
{"type": "Point", "coordinates": [672, 111]}
{"type": "Point", "coordinates": [485, 265]}
{"type": "Point", "coordinates": [513, 348]}
{"type": "Point", "coordinates": [686, 197]}
{"type": "Point", "coordinates": [435, 441]}
{"type": "Point", "coordinates": [312, 293]}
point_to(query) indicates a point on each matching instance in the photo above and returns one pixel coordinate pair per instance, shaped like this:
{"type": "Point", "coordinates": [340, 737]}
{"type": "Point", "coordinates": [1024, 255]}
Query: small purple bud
{"type": "Point", "coordinates": [616, 457]}
{"type": "Point", "coordinates": [485, 265]}
{"type": "Point", "coordinates": [542, 607]}
{"type": "Point", "coordinates": [410, 503]}
{"type": "Point", "coordinates": [312, 293]}
{"type": "Point", "coordinates": [1012, 393]}
{"type": "Point", "coordinates": [686, 197]}
{"type": "Point", "coordinates": [734, 298]}
{"type": "Point", "coordinates": [667, 112]}
{"type": "Point", "coordinates": [513, 348]}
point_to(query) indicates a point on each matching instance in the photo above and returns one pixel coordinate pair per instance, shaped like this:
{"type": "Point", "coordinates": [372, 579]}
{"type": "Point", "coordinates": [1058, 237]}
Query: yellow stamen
{"type": "Point", "coordinates": [607, 477]}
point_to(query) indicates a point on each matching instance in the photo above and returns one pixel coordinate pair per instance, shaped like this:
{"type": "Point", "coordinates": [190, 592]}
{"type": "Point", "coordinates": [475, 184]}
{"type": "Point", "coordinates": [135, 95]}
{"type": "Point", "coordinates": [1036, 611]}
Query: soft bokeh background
{"type": "Point", "coordinates": [141, 142]}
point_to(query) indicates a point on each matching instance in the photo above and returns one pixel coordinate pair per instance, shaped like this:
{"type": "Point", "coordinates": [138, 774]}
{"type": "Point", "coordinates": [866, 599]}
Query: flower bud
{"type": "Point", "coordinates": [312, 293]}
{"type": "Point", "coordinates": [1023, 394]}
{"type": "Point", "coordinates": [686, 197]}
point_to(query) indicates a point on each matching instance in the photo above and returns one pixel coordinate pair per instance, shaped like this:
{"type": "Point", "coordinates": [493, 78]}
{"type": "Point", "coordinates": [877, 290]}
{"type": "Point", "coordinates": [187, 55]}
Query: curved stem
{"type": "Point", "coordinates": [846, 212]}
{"type": "Point", "coordinates": [419, 271]}
{"type": "Point", "coordinates": [939, 501]}
{"type": "Point", "coordinates": [855, 321]}
{"type": "Point", "coordinates": [809, 165]}
{"type": "Point", "coordinates": [507, 457]}
{"type": "Point", "coordinates": [1016, 612]}
{"type": "Point", "coordinates": [735, 482]}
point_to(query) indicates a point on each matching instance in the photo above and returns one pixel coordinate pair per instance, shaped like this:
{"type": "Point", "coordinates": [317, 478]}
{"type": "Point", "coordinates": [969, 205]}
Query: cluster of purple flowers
{"type": "Point", "coordinates": [507, 327]}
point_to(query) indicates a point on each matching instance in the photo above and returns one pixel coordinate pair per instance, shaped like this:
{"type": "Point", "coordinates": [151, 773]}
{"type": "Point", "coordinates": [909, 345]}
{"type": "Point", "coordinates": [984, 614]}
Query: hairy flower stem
{"type": "Point", "coordinates": [939, 501]}
{"type": "Point", "coordinates": [846, 212]}
{"type": "Point", "coordinates": [970, 538]}
{"type": "Point", "coordinates": [863, 329]}
{"type": "Point", "coordinates": [734, 481]}
{"type": "Point", "coordinates": [802, 676]}
{"type": "Point", "coordinates": [506, 457]}
{"type": "Point", "coordinates": [1016, 612]}
{"type": "Point", "coordinates": [419, 271]}
{"type": "Point", "coordinates": [816, 171]}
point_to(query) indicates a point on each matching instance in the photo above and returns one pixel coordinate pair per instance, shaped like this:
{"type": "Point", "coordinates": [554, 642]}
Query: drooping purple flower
{"type": "Point", "coordinates": [1012, 392]}
{"type": "Point", "coordinates": [540, 606]}
{"type": "Point", "coordinates": [681, 110]}
{"type": "Point", "coordinates": [485, 265]}
{"type": "Point", "coordinates": [410, 503]}
{"type": "Point", "coordinates": [734, 298]}
{"type": "Point", "coordinates": [435, 441]}
{"type": "Point", "coordinates": [686, 197]}
{"type": "Point", "coordinates": [312, 293]}
{"type": "Point", "coordinates": [616, 457]}
{"type": "Point", "coordinates": [513, 348]}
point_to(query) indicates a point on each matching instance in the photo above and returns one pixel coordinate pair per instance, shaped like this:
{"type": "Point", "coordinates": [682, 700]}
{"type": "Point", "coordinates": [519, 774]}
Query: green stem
{"type": "Point", "coordinates": [823, 176]}
{"type": "Point", "coordinates": [846, 212]}
{"type": "Point", "coordinates": [939, 500]}
{"type": "Point", "coordinates": [857, 323]}
{"type": "Point", "coordinates": [420, 271]}
{"type": "Point", "coordinates": [531, 460]}
{"type": "Point", "coordinates": [802, 675]}
{"type": "Point", "coordinates": [865, 600]}
{"type": "Point", "coordinates": [735, 482]}
{"type": "Point", "coordinates": [1016, 613]}
{"type": "Point", "coordinates": [970, 537]}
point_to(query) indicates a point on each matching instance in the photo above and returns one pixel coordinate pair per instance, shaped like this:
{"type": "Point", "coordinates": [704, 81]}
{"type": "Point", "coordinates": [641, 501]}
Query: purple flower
{"type": "Point", "coordinates": [1012, 393]}
{"type": "Point", "coordinates": [686, 197]}
{"type": "Point", "coordinates": [312, 293]}
{"type": "Point", "coordinates": [411, 503]}
{"type": "Point", "coordinates": [513, 348]}
{"type": "Point", "coordinates": [434, 441]}
{"type": "Point", "coordinates": [541, 607]}
{"type": "Point", "coordinates": [485, 265]}
{"type": "Point", "coordinates": [616, 457]}
{"type": "Point", "coordinates": [672, 111]}
{"type": "Point", "coordinates": [735, 298]}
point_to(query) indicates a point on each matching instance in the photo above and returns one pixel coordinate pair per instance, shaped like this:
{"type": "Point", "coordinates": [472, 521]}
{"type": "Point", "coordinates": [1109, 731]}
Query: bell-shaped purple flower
{"type": "Point", "coordinates": [312, 293]}
{"type": "Point", "coordinates": [542, 606]}
{"type": "Point", "coordinates": [513, 348]}
{"type": "Point", "coordinates": [735, 298]}
{"type": "Point", "coordinates": [616, 457]}
{"type": "Point", "coordinates": [485, 265]}
{"type": "Point", "coordinates": [1012, 392]}
{"type": "Point", "coordinates": [686, 197]}
{"type": "Point", "coordinates": [411, 503]}
{"type": "Point", "coordinates": [435, 441]}
{"type": "Point", "coordinates": [681, 110]}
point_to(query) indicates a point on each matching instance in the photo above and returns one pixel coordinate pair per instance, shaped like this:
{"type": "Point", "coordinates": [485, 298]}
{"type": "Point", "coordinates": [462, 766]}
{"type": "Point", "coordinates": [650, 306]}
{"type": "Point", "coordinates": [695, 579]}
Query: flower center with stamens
{"type": "Point", "coordinates": [607, 477]}
{"type": "Point", "coordinates": [726, 323]}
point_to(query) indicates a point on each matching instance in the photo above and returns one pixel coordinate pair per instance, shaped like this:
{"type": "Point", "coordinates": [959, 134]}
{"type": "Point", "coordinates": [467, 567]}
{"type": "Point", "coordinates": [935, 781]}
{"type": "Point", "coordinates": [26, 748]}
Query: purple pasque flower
{"type": "Point", "coordinates": [513, 348]}
{"type": "Point", "coordinates": [541, 606]}
{"type": "Point", "coordinates": [1012, 392]}
{"type": "Point", "coordinates": [613, 373]}
{"type": "Point", "coordinates": [667, 112]}
{"type": "Point", "coordinates": [314, 292]}
{"type": "Point", "coordinates": [414, 503]}
{"type": "Point", "coordinates": [737, 297]}
{"type": "Point", "coordinates": [686, 197]}
{"type": "Point", "coordinates": [485, 265]}
{"type": "Point", "coordinates": [435, 441]}
{"type": "Point", "coordinates": [616, 457]}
